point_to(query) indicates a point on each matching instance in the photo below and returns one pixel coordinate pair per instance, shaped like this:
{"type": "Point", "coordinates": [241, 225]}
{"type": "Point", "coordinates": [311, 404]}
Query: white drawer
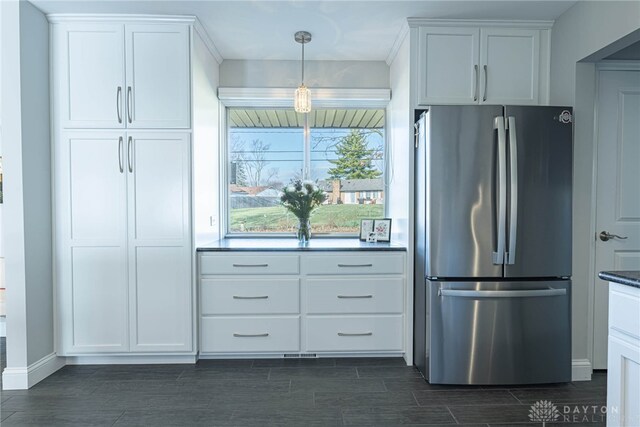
{"type": "Point", "coordinates": [346, 263]}
{"type": "Point", "coordinates": [249, 263]}
{"type": "Point", "coordinates": [355, 295]}
{"type": "Point", "coordinates": [624, 306]}
{"type": "Point", "coordinates": [250, 296]}
{"type": "Point", "coordinates": [250, 334]}
{"type": "Point", "coordinates": [361, 333]}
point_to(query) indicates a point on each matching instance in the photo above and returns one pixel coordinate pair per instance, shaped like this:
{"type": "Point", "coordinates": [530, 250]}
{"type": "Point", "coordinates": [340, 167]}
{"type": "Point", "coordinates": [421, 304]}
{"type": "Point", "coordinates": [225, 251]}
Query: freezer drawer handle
{"type": "Point", "coordinates": [362, 334]}
{"type": "Point", "coordinates": [251, 265]}
{"type": "Point", "coordinates": [266, 334]}
{"type": "Point", "coordinates": [355, 296]}
{"type": "Point", "coordinates": [355, 265]}
{"type": "Point", "coordinates": [502, 294]}
{"type": "Point", "coordinates": [256, 297]}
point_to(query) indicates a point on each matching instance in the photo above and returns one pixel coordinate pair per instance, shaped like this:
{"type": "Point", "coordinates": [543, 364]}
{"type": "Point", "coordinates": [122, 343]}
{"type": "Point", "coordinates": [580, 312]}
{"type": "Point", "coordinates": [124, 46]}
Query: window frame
{"type": "Point", "coordinates": [261, 98]}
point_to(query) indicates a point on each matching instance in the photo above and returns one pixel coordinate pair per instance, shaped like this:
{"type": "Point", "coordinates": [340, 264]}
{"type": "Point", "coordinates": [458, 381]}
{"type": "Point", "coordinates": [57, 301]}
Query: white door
{"type": "Point", "coordinates": [158, 168]}
{"type": "Point", "coordinates": [158, 88]}
{"type": "Point", "coordinates": [91, 63]}
{"type": "Point", "coordinates": [448, 65]}
{"type": "Point", "coordinates": [509, 66]}
{"type": "Point", "coordinates": [91, 251]}
{"type": "Point", "coordinates": [618, 190]}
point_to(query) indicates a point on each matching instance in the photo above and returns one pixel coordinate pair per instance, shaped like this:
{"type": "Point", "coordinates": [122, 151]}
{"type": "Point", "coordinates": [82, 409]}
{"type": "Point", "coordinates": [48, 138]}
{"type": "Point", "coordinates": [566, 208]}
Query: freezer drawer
{"type": "Point", "coordinates": [500, 332]}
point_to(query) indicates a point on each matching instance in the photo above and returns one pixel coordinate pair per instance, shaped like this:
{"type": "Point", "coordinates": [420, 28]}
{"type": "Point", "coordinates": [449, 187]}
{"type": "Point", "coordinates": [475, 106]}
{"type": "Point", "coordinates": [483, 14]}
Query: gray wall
{"type": "Point", "coordinates": [27, 183]}
{"type": "Point", "coordinates": [325, 74]}
{"type": "Point", "coordinates": [587, 31]}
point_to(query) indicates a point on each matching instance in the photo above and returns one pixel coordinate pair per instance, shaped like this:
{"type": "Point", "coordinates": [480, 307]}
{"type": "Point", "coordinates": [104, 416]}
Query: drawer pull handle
{"type": "Point", "coordinates": [355, 296]}
{"type": "Point", "coordinates": [251, 265]}
{"type": "Point", "coordinates": [362, 334]}
{"type": "Point", "coordinates": [355, 265]}
{"type": "Point", "coordinates": [256, 297]}
{"type": "Point", "coordinates": [266, 334]}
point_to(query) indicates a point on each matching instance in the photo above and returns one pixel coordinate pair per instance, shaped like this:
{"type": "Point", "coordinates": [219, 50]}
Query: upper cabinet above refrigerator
{"type": "Point", "coordinates": [115, 75]}
{"type": "Point", "coordinates": [481, 63]}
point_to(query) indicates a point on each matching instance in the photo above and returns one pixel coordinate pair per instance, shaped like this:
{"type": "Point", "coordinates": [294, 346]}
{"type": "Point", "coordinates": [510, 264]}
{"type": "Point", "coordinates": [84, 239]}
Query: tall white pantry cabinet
{"type": "Point", "coordinates": [121, 97]}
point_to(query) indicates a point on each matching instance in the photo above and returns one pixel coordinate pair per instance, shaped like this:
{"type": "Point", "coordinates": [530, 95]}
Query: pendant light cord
{"type": "Point", "coordinates": [303, 62]}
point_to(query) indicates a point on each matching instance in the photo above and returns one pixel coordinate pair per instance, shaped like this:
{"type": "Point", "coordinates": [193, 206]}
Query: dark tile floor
{"type": "Point", "coordinates": [277, 392]}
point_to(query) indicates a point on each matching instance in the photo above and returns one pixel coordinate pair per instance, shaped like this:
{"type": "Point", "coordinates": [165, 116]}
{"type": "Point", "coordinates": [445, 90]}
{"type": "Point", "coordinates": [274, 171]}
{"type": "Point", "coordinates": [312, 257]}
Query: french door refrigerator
{"type": "Point", "coordinates": [493, 244]}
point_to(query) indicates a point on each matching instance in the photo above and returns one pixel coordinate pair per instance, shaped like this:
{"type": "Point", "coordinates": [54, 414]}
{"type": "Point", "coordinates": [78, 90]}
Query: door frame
{"type": "Point", "coordinates": [599, 67]}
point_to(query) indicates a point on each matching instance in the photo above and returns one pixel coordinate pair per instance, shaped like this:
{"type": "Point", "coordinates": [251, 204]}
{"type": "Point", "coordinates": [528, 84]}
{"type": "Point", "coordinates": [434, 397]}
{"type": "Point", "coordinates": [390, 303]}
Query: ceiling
{"type": "Point", "coordinates": [629, 53]}
{"type": "Point", "coordinates": [341, 29]}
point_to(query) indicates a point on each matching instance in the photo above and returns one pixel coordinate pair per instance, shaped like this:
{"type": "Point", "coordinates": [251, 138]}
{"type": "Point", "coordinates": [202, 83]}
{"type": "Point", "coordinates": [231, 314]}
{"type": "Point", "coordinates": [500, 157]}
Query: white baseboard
{"type": "Point", "coordinates": [131, 360]}
{"type": "Point", "coordinates": [581, 370]}
{"type": "Point", "coordinates": [24, 378]}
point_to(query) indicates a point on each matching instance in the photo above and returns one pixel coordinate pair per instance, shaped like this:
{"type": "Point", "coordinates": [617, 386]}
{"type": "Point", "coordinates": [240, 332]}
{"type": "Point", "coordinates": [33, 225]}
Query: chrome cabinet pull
{"type": "Point", "coordinates": [256, 297]}
{"type": "Point", "coordinates": [510, 253]}
{"type": "Point", "coordinates": [118, 103]}
{"type": "Point", "coordinates": [266, 334]}
{"type": "Point", "coordinates": [498, 124]}
{"type": "Point", "coordinates": [605, 236]}
{"type": "Point", "coordinates": [130, 154]}
{"type": "Point", "coordinates": [120, 160]}
{"type": "Point", "coordinates": [129, 103]}
{"type": "Point", "coordinates": [486, 78]}
{"type": "Point", "coordinates": [355, 265]}
{"type": "Point", "coordinates": [361, 334]}
{"type": "Point", "coordinates": [251, 265]}
{"type": "Point", "coordinates": [355, 296]}
{"type": "Point", "coordinates": [475, 82]}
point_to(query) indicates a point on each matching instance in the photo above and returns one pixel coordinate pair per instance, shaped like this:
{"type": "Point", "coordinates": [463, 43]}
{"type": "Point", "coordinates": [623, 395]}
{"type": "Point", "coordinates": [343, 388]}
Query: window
{"type": "Point", "coordinates": [344, 154]}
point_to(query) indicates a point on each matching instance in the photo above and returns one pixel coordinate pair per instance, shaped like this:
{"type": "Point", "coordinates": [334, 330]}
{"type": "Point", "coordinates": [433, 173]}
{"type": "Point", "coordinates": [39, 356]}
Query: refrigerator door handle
{"type": "Point", "coordinates": [499, 125]}
{"type": "Point", "coordinates": [502, 294]}
{"type": "Point", "coordinates": [513, 214]}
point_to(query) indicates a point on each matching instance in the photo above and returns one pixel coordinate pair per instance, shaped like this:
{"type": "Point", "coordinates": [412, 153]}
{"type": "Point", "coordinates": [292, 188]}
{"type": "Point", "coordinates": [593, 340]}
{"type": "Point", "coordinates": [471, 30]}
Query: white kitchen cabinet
{"type": "Point", "coordinates": [277, 303]}
{"type": "Point", "coordinates": [475, 63]}
{"type": "Point", "coordinates": [623, 360]}
{"type": "Point", "coordinates": [122, 75]}
{"type": "Point", "coordinates": [123, 244]}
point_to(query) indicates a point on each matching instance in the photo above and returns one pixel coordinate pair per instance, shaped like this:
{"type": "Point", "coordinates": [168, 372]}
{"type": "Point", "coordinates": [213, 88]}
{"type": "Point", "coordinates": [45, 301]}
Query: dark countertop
{"type": "Point", "coordinates": [629, 278]}
{"type": "Point", "coordinates": [291, 244]}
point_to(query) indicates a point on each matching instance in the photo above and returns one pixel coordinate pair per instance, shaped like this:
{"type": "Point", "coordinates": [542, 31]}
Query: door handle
{"type": "Point", "coordinates": [256, 297]}
{"type": "Point", "coordinates": [502, 294]}
{"type": "Point", "coordinates": [510, 254]}
{"type": "Point", "coordinates": [498, 124]}
{"type": "Point", "coordinates": [266, 334]}
{"type": "Point", "coordinates": [251, 265]}
{"type": "Point", "coordinates": [486, 77]}
{"type": "Point", "coordinates": [355, 265]}
{"type": "Point", "coordinates": [120, 144]}
{"type": "Point", "coordinates": [130, 154]}
{"type": "Point", "coordinates": [129, 103]}
{"type": "Point", "coordinates": [118, 102]}
{"type": "Point", "coordinates": [475, 82]}
{"type": "Point", "coordinates": [358, 334]}
{"type": "Point", "coordinates": [605, 236]}
{"type": "Point", "coordinates": [354, 296]}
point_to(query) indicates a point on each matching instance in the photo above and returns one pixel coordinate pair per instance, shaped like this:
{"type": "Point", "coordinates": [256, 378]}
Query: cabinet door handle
{"type": "Point", "coordinates": [475, 82]}
{"type": "Point", "coordinates": [486, 78]}
{"type": "Point", "coordinates": [256, 297]}
{"type": "Point", "coordinates": [129, 103]}
{"type": "Point", "coordinates": [355, 265]}
{"type": "Point", "coordinates": [355, 296]}
{"type": "Point", "coordinates": [119, 103]}
{"type": "Point", "coordinates": [360, 334]}
{"type": "Point", "coordinates": [130, 154]}
{"type": "Point", "coordinates": [266, 334]}
{"type": "Point", "coordinates": [251, 265]}
{"type": "Point", "coordinates": [120, 160]}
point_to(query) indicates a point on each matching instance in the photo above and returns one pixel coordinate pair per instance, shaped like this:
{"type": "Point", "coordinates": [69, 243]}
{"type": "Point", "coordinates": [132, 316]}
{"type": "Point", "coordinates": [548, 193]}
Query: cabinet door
{"type": "Point", "coordinates": [158, 89]}
{"type": "Point", "coordinates": [91, 252]}
{"type": "Point", "coordinates": [448, 65]}
{"type": "Point", "coordinates": [159, 242]}
{"type": "Point", "coordinates": [509, 60]}
{"type": "Point", "coordinates": [91, 75]}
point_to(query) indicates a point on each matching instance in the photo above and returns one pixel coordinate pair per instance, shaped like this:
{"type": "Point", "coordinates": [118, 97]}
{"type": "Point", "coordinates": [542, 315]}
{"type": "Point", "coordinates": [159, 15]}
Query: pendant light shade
{"type": "Point", "coordinates": [302, 97]}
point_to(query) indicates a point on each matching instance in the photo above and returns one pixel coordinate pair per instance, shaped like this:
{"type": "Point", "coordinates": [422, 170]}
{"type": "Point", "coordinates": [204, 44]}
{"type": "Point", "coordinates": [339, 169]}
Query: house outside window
{"type": "Point", "coordinates": [343, 154]}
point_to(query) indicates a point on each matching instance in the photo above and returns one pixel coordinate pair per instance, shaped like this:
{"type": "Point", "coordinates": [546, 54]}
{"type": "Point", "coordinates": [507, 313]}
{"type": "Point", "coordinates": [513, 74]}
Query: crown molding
{"type": "Point", "coordinates": [402, 34]}
{"type": "Point", "coordinates": [111, 17]}
{"type": "Point", "coordinates": [208, 41]}
{"type": "Point", "coordinates": [513, 23]}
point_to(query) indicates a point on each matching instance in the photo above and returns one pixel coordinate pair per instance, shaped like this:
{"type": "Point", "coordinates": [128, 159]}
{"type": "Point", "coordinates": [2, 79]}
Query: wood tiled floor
{"type": "Point", "coordinates": [292, 392]}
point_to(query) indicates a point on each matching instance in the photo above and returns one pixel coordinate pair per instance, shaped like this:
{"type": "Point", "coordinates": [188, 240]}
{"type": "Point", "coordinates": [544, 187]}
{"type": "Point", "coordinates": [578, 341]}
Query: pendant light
{"type": "Point", "coordinates": [302, 98]}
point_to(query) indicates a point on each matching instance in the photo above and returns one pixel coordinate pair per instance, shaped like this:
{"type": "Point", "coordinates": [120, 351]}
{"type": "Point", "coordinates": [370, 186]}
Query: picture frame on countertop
{"type": "Point", "coordinates": [366, 227]}
{"type": "Point", "coordinates": [382, 228]}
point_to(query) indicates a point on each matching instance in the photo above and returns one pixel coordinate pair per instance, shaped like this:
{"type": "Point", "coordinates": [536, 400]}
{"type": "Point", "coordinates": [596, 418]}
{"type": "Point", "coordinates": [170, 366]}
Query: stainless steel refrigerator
{"type": "Point", "coordinates": [493, 244]}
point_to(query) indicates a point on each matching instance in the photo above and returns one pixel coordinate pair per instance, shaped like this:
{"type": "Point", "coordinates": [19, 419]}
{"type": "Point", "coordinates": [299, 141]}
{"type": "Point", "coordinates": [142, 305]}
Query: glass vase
{"type": "Point", "coordinates": [304, 230]}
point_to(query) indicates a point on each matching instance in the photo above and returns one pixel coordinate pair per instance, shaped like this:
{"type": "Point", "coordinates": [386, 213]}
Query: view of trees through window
{"type": "Point", "coordinates": [266, 151]}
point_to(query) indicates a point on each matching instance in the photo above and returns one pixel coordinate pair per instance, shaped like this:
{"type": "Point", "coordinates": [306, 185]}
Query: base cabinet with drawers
{"type": "Point", "coordinates": [272, 304]}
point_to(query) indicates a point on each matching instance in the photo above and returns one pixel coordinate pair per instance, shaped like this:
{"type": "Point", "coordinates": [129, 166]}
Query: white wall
{"type": "Point", "coordinates": [325, 74]}
{"type": "Point", "coordinates": [588, 31]}
{"type": "Point", "coordinates": [27, 167]}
